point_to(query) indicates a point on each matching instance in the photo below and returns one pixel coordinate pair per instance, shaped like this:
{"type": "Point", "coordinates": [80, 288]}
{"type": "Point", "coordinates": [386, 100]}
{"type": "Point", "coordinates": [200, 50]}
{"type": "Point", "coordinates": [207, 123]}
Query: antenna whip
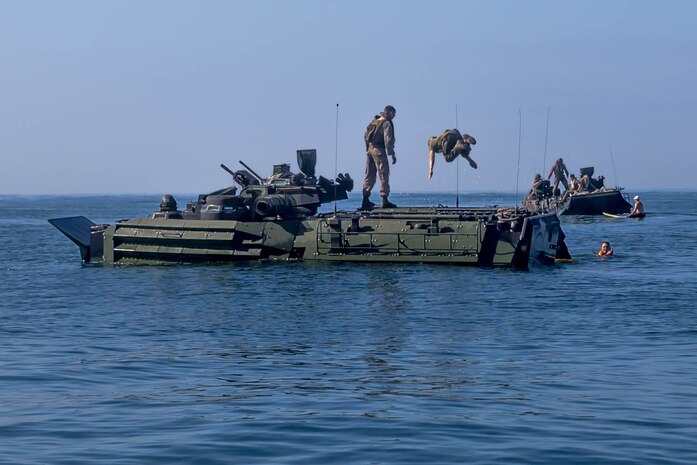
{"type": "Point", "coordinates": [612, 159]}
{"type": "Point", "coordinates": [520, 136]}
{"type": "Point", "coordinates": [544, 162]}
{"type": "Point", "coordinates": [336, 152]}
{"type": "Point", "coordinates": [457, 169]}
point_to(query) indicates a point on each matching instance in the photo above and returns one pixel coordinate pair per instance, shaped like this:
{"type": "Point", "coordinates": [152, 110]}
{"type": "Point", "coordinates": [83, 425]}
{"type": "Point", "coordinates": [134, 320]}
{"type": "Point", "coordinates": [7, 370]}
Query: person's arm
{"type": "Point", "coordinates": [431, 161]}
{"type": "Point", "coordinates": [473, 163]}
{"type": "Point", "coordinates": [549, 176]}
{"type": "Point", "coordinates": [388, 134]}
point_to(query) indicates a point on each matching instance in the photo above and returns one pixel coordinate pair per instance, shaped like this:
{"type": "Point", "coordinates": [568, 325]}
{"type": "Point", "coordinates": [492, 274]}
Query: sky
{"type": "Point", "coordinates": [102, 97]}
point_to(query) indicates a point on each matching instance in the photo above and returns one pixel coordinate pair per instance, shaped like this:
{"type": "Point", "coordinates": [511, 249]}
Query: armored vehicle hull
{"type": "Point", "coordinates": [477, 237]}
{"type": "Point", "coordinates": [278, 219]}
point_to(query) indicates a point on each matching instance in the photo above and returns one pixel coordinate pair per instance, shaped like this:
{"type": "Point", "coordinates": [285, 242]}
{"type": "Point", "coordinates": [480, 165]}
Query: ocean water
{"type": "Point", "coordinates": [302, 363]}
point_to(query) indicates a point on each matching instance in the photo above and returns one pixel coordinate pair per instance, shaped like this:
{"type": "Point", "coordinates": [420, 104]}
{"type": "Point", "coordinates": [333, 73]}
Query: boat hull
{"type": "Point", "coordinates": [595, 203]}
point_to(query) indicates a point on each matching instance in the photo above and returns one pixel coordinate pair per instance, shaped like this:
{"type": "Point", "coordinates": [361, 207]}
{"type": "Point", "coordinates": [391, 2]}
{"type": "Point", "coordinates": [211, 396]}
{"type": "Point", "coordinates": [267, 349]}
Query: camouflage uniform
{"type": "Point", "coordinates": [450, 144]}
{"type": "Point", "coordinates": [380, 146]}
{"type": "Point", "coordinates": [560, 173]}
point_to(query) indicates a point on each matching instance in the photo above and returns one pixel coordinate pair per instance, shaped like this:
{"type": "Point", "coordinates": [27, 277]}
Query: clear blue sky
{"type": "Point", "coordinates": [151, 96]}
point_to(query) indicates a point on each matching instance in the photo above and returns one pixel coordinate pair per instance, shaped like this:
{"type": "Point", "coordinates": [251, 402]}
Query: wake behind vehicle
{"type": "Point", "coordinates": [277, 219]}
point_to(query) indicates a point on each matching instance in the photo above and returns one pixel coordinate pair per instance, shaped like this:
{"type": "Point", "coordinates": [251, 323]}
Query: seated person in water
{"type": "Point", "coordinates": [605, 250]}
{"type": "Point", "coordinates": [638, 209]}
{"type": "Point", "coordinates": [451, 144]}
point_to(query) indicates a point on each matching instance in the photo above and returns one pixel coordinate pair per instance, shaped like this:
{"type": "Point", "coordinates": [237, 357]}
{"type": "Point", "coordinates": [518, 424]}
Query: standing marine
{"type": "Point", "coordinates": [379, 143]}
{"type": "Point", "coordinates": [451, 144]}
{"type": "Point", "coordinates": [560, 173]}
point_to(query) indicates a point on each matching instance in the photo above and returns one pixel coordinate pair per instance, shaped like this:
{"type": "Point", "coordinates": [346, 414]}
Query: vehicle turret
{"type": "Point", "coordinates": [283, 194]}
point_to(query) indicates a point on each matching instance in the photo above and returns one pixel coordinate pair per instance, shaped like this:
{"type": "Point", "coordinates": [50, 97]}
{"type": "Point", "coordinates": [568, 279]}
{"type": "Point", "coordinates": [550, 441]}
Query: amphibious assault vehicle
{"type": "Point", "coordinates": [278, 218]}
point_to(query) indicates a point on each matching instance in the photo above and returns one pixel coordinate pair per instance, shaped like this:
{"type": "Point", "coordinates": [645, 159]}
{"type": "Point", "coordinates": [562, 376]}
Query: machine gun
{"type": "Point", "coordinates": [283, 195]}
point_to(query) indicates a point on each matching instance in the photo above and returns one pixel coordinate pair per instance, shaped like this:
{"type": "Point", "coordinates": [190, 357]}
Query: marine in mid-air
{"type": "Point", "coordinates": [451, 144]}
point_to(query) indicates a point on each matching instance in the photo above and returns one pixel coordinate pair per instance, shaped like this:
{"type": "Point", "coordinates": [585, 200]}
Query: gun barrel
{"type": "Point", "coordinates": [222, 165]}
{"type": "Point", "coordinates": [252, 171]}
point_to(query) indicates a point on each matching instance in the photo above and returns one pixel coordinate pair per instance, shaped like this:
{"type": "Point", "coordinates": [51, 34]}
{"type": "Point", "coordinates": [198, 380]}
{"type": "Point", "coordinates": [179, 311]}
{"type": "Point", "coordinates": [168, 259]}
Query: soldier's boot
{"type": "Point", "coordinates": [387, 204]}
{"type": "Point", "coordinates": [367, 204]}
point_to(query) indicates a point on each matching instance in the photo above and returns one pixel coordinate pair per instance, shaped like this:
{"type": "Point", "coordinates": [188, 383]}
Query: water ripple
{"type": "Point", "coordinates": [280, 363]}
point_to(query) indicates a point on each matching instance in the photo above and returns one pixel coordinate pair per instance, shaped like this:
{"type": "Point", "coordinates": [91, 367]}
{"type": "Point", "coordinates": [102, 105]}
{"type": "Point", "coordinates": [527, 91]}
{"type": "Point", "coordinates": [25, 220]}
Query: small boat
{"type": "Point", "coordinates": [597, 200]}
{"type": "Point", "coordinates": [611, 201]}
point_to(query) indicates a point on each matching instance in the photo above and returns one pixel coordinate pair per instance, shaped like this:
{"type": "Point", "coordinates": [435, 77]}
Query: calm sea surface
{"type": "Point", "coordinates": [300, 363]}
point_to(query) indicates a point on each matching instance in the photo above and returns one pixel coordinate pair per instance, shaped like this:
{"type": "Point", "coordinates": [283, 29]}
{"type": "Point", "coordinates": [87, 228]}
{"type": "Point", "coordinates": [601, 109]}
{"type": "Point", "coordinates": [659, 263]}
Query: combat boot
{"type": "Point", "coordinates": [387, 204]}
{"type": "Point", "coordinates": [367, 204]}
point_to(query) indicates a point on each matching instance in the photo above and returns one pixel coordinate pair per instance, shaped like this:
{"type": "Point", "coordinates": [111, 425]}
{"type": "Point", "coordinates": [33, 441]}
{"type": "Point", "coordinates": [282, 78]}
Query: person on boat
{"type": "Point", "coordinates": [560, 173]}
{"type": "Point", "coordinates": [605, 250]}
{"type": "Point", "coordinates": [536, 191]}
{"type": "Point", "coordinates": [638, 209]}
{"type": "Point", "coordinates": [585, 184]}
{"type": "Point", "coordinates": [451, 144]}
{"type": "Point", "coordinates": [379, 142]}
{"type": "Point", "coordinates": [536, 186]}
{"type": "Point", "coordinates": [598, 185]}
{"type": "Point", "coordinates": [574, 185]}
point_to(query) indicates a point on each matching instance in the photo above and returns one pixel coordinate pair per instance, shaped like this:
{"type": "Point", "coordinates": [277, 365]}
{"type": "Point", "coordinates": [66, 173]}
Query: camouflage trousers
{"type": "Point", "coordinates": [376, 164]}
{"type": "Point", "coordinates": [557, 180]}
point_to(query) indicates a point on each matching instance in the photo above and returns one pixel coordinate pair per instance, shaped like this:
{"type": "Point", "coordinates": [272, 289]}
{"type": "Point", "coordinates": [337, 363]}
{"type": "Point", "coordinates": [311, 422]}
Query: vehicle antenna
{"type": "Point", "coordinates": [612, 159]}
{"type": "Point", "coordinates": [457, 169]}
{"type": "Point", "coordinates": [544, 161]}
{"type": "Point", "coordinates": [517, 176]}
{"type": "Point", "coordinates": [336, 152]}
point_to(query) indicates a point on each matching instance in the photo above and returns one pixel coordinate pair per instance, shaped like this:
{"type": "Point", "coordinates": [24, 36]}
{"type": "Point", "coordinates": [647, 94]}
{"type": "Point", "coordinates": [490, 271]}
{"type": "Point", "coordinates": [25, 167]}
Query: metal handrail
{"type": "Point", "coordinates": [400, 237]}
